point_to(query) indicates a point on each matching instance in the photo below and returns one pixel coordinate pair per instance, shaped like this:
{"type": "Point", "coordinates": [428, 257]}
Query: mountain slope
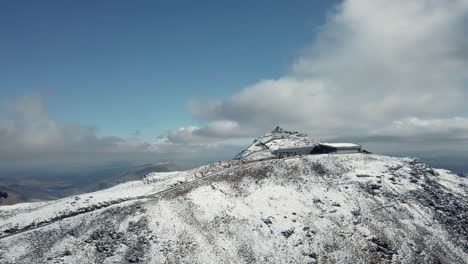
{"type": "Point", "coordinates": [137, 173]}
{"type": "Point", "coordinates": [350, 208]}
{"type": "Point", "coordinates": [33, 188]}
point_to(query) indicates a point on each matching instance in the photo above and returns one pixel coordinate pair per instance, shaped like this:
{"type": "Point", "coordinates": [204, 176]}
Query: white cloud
{"type": "Point", "coordinates": [378, 67]}
{"type": "Point", "coordinates": [213, 132]}
{"type": "Point", "coordinates": [220, 129]}
{"type": "Point", "coordinates": [28, 128]}
{"type": "Point", "coordinates": [30, 138]}
{"type": "Point", "coordinates": [455, 128]}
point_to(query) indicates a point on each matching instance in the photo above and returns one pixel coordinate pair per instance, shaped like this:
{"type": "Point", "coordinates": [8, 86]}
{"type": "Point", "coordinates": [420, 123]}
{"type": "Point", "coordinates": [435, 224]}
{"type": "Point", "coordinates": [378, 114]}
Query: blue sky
{"type": "Point", "coordinates": [127, 66]}
{"type": "Point", "coordinates": [198, 80]}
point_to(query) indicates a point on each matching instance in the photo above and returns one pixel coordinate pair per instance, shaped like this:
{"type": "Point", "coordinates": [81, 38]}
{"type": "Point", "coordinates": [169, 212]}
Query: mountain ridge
{"type": "Point", "coordinates": [23, 189]}
{"type": "Point", "coordinates": [346, 208]}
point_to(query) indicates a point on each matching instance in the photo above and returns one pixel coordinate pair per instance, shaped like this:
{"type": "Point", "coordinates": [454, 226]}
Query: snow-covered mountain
{"type": "Point", "coordinates": [334, 208]}
{"type": "Point", "coordinates": [262, 147]}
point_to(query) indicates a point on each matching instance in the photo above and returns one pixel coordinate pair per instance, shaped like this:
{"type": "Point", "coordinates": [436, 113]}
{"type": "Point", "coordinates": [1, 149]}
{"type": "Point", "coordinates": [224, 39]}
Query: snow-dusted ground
{"type": "Point", "coordinates": [25, 214]}
{"type": "Point", "coordinates": [348, 208]}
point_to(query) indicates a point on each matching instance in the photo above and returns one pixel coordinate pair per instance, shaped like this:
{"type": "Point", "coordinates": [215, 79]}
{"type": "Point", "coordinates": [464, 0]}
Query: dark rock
{"type": "Point", "coordinates": [371, 187]}
{"type": "Point", "coordinates": [287, 233]}
{"type": "Point", "coordinates": [133, 259]}
{"type": "Point", "coordinates": [356, 212]}
{"type": "Point", "coordinates": [383, 248]}
{"type": "Point", "coordinates": [311, 255]}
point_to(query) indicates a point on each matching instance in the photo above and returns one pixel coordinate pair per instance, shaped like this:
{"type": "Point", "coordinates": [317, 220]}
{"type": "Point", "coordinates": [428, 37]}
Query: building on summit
{"type": "Point", "coordinates": [320, 148]}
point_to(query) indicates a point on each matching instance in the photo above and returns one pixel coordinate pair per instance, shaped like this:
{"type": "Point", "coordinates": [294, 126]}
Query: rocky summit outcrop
{"type": "Point", "coordinates": [262, 147]}
{"type": "Point", "coordinates": [347, 208]}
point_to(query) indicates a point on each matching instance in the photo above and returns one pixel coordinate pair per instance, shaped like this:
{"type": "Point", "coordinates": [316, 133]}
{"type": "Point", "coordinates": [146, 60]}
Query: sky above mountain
{"type": "Point", "coordinates": [192, 79]}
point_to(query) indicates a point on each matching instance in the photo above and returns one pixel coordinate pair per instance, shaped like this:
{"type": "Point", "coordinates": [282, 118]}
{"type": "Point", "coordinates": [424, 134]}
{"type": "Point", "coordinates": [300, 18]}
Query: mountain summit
{"type": "Point", "coordinates": [325, 208]}
{"type": "Point", "coordinates": [262, 147]}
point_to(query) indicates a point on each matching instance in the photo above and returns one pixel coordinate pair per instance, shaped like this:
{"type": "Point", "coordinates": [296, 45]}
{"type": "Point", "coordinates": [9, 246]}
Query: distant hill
{"type": "Point", "coordinates": [136, 173]}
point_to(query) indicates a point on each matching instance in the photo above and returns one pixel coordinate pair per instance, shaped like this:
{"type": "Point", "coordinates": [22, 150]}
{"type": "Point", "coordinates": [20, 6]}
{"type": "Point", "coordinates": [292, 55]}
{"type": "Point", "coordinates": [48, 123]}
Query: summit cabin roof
{"type": "Point", "coordinates": [341, 145]}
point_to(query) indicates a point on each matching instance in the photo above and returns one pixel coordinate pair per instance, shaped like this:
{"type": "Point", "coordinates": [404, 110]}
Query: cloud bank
{"type": "Point", "coordinates": [28, 128]}
{"type": "Point", "coordinates": [28, 135]}
{"type": "Point", "coordinates": [378, 69]}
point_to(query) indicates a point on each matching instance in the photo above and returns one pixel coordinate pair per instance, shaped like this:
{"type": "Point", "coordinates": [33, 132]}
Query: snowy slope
{"type": "Point", "coordinates": [22, 215]}
{"type": "Point", "coordinates": [350, 208]}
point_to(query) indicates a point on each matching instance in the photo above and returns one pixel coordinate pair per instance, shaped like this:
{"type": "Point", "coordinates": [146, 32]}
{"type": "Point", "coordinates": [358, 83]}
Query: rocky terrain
{"type": "Point", "coordinates": [347, 208]}
{"type": "Point", "coordinates": [262, 147]}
